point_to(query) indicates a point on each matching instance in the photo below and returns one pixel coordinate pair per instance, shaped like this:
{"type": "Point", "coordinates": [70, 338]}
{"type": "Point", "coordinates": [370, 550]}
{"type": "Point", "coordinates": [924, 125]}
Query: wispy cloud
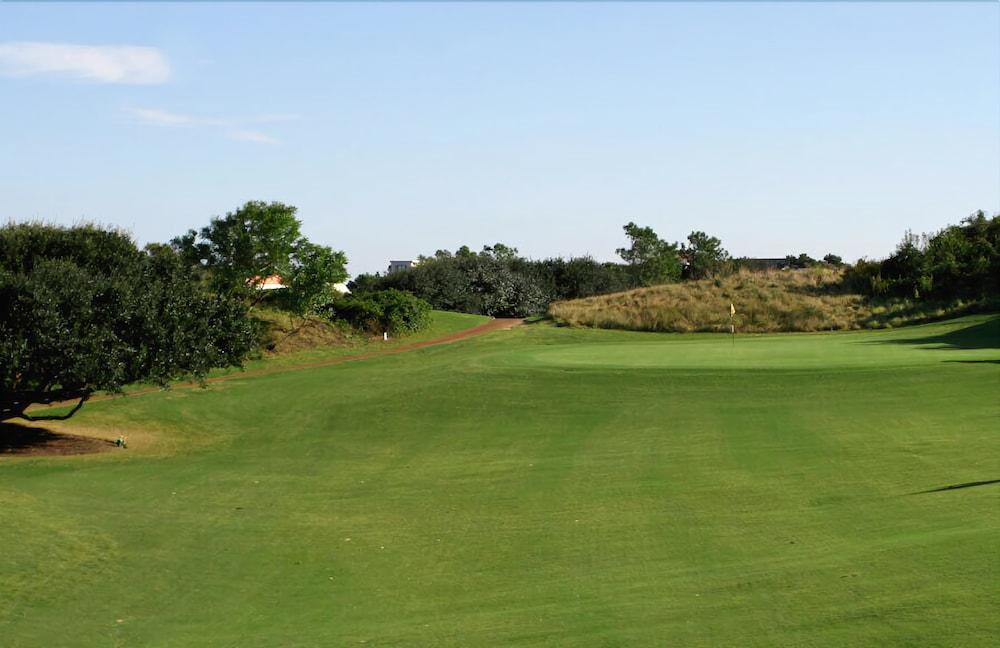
{"type": "Point", "coordinates": [164, 118]}
{"type": "Point", "coordinates": [99, 64]}
{"type": "Point", "coordinates": [234, 128]}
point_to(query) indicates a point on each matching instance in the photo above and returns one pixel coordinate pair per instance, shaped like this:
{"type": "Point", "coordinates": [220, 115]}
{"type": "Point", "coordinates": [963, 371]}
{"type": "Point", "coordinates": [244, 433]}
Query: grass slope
{"type": "Point", "coordinates": [811, 299]}
{"type": "Point", "coordinates": [539, 486]}
{"type": "Point", "coordinates": [298, 340]}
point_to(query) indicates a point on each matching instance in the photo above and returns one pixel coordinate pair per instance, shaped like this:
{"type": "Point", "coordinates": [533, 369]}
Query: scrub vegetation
{"type": "Point", "coordinates": [810, 299]}
{"type": "Point", "coordinates": [930, 277]}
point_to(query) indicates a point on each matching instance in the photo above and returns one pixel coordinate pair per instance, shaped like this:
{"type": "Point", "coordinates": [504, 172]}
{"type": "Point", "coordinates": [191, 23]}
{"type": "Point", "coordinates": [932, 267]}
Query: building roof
{"type": "Point", "coordinates": [272, 282]}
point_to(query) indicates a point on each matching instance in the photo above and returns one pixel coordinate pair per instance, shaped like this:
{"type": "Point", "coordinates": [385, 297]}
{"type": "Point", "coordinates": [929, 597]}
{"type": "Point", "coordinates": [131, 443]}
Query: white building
{"type": "Point", "coordinates": [397, 266]}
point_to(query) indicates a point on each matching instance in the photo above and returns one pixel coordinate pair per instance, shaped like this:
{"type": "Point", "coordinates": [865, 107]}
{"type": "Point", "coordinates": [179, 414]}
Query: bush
{"type": "Point", "coordinates": [83, 309]}
{"type": "Point", "coordinates": [959, 262]}
{"type": "Point", "coordinates": [390, 311]}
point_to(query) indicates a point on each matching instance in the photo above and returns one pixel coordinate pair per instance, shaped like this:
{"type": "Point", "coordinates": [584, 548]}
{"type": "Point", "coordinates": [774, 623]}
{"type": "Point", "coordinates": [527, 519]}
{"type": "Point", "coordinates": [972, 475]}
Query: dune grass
{"type": "Point", "coordinates": [810, 299]}
{"type": "Point", "coordinates": [538, 486]}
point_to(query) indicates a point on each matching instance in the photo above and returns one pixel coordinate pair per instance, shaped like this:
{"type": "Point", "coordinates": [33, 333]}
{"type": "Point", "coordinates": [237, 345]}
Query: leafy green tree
{"type": "Point", "coordinates": [906, 270]}
{"type": "Point", "coordinates": [960, 261]}
{"type": "Point", "coordinates": [505, 292]}
{"type": "Point", "coordinates": [500, 252]}
{"type": "Point", "coordinates": [833, 260]}
{"type": "Point", "coordinates": [801, 261]}
{"type": "Point", "coordinates": [366, 282]}
{"type": "Point", "coordinates": [653, 260]}
{"type": "Point", "coordinates": [579, 277]}
{"type": "Point", "coordinates": [703, 255]}
{"type": "Point", "coordinates": [82, 309]}
{"type": "Point", "coordinates": [314, 269]}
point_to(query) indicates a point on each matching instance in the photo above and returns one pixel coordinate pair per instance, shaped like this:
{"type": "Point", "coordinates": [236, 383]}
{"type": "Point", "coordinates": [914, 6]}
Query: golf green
{"type": "Point", "coordinates": [537, 486]}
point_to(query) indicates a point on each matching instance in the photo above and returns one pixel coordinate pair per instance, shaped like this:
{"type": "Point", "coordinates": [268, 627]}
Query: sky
{"type": "Point", "coordinates": [401, 129]}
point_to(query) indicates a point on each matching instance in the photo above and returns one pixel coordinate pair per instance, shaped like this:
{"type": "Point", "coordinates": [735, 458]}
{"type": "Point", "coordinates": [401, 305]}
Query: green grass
{"type": "Point", "coordinates": [442, 323]}
{"type": "Point", "coordinates": [540, 486]}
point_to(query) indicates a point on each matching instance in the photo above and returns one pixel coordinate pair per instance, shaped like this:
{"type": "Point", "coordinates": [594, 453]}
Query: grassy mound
{"type": "Point", "coordinates": [293, 336]}
{"type": "Point", "coordinates": [766, 302]}
{"type": "Point", "coordinates": [285, 333]}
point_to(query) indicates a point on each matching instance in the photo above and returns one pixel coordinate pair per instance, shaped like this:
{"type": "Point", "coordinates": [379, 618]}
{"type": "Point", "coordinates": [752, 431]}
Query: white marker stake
{"type": "Point", "coordinates": [385, 336]}
{"type": "Point", "coordinates": [732, 322]}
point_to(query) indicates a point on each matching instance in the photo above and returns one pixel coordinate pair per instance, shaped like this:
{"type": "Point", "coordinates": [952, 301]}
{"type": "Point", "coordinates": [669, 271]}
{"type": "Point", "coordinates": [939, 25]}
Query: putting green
{"type": "Point", "coordinates": [538, 486]}
{"type": "Point", "coordinates": [806, 351]}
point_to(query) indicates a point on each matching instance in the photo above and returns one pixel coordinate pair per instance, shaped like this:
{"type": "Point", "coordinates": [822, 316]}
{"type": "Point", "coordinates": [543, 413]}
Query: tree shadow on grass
{"type": "Point", "coordinates": [985, 335]}
{"type": "Point", "coordinates": [31, 441]}
{"type": "Point", "coordinates": [950, 487]}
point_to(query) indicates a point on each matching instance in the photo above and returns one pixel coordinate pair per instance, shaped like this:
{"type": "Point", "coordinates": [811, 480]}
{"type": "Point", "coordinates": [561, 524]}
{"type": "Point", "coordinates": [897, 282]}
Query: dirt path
{"type": "Point", "coordinates": [497, 324]}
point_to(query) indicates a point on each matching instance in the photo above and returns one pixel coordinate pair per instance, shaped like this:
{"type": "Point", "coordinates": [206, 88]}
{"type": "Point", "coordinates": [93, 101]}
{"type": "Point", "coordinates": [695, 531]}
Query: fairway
{"type": "Point", "coordinates": [537, 486]}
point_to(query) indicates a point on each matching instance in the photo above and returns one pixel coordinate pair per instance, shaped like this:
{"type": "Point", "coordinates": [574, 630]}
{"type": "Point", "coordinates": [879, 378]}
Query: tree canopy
{"type": "Point", "coordinates": [83, 309]}
{"type": "Point", "coordinates": [703, 256]}
{"type": "Point", "coordinates": [959, 262]}
{"type": "Point", "coordinates": [259, 240]}
{"type": "Point", "coordinates": [652, 259]}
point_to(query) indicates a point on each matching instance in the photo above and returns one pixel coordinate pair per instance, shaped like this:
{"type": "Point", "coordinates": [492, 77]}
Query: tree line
{"type": "Point", "coordinates": [498, 281]}
{"type": "Point", "coordinates": [958, 262]}
{"type": "Point", "coordinates": [84, 309]}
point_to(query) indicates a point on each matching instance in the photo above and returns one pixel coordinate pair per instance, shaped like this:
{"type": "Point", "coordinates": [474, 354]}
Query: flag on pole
{"type": "Point", "coordinates": [732, 310]}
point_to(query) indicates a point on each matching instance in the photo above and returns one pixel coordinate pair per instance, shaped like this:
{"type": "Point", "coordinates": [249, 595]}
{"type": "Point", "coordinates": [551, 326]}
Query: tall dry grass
{"type": "Point", "coordinates": [766, 302]}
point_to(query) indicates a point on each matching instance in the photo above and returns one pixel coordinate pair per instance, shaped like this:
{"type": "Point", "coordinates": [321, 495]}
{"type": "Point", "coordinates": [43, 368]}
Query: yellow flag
{"type": "Point", "coordinates": [732, 309]}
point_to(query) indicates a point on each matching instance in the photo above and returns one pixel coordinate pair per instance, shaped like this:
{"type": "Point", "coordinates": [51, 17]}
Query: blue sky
{"type": "Point", "coordinates": [399, 129]}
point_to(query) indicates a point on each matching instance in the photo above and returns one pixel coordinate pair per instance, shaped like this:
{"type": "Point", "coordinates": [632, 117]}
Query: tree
{"type": "Point", "coordinates": [505, 292]}
{"type": "Point", "coordinates": [82, 309]}
{"type": "Point", "coordinates": [906, 270]}
{"type": "Point", "coordinates": [801, 261]}
{"type": "Point", "coordinates": [500, 252]}
{"type": "Point", "coordinates": [579, 277]}
{"type": "Point", "coordinates": [960, 261]}
{"type": "Point", "coordinates": [833, 260]}
{"type": "Point", "coordinates": [652, 259]}
{"type": "Point", "coordinates": [314, 269]}
{"type": "Point", "coordinates": [703, 255]}
{"type": "Point", "coordinates": [366, 282]}
{"type": "Point", "coordinates": [244, 247]}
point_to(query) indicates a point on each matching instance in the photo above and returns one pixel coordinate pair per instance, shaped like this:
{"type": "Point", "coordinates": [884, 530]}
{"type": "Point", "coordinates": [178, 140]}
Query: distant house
{"type": "Point", "coordinates": [274, 282]}
{"type": "Point", "coordinates": [399, 266]}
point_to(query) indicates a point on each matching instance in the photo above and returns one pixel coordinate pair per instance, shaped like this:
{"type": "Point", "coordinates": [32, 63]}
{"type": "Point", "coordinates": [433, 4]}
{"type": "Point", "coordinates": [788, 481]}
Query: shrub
{"type": "Point", "coordinates": [391, 311]}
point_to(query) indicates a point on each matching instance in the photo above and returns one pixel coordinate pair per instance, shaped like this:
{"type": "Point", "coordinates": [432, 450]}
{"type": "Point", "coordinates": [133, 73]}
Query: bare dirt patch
{"type": "Point", "coordinates": [30, 441]}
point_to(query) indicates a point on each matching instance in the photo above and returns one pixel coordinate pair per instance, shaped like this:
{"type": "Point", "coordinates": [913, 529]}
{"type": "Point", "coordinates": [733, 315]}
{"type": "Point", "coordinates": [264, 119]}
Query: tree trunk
{"type": "Point", "coordinates": [14, 404]}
